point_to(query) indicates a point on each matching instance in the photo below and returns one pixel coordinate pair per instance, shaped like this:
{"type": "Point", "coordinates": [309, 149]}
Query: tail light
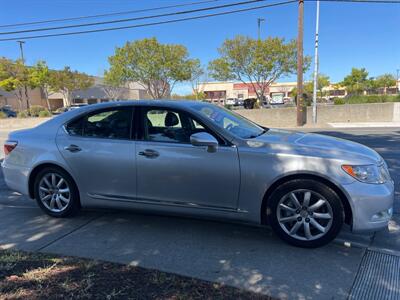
{"type": "Point", "coordinates": [9, 146]}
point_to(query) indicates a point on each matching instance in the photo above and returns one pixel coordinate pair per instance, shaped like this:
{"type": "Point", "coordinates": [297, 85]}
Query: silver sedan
{"type": "Point", "coordinates": [197, 159]}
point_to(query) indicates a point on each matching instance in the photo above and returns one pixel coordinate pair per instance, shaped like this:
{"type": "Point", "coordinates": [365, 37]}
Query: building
{"type": "Point", "coordinates": [218, 92]}
{"type": "Point", "coordinates": [99, 92]}
{"type": "Point", "coordinates": [279, 92]}
{"type": "Point", "coordinates": [35, 95]}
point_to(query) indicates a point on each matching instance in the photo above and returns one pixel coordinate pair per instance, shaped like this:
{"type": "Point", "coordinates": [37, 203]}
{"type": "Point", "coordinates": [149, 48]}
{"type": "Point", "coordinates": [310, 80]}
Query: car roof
{"type": "Point", "coordinates": [166, 102]}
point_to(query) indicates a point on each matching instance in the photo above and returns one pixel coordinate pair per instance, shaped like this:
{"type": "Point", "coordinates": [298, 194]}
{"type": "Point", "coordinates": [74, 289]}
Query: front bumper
{"type": "Point", "coordinates": [16, 177]}
{"type": "Point", "coordinates": [371, 204]}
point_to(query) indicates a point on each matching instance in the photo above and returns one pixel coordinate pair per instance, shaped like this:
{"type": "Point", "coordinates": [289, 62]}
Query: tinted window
{"type": "Point", "coordinates": [75, 127]}
{"type": "Point", "coordinates": [230, 121]}
{"type": "Point", "coordinates": [169, 126]}
{"type": "Point", "coordinates": [112, 124]}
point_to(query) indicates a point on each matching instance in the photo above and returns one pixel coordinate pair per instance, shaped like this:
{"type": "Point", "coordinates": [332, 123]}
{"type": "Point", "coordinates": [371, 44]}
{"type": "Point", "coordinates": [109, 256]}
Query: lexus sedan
{"type": "Point", "coordinates": [198, 159]}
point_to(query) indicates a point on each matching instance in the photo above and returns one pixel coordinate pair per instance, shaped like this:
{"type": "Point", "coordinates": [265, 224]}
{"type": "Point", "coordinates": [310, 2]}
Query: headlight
{"type": "Point", "coordinates": [368, 173]}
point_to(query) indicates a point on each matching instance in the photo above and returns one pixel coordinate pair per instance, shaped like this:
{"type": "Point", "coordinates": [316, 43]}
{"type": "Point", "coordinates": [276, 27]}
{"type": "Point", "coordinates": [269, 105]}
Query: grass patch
{"type": "Point", "coordinates": [367, 99]}
{"type": "Point", "coordinates": [26, 275]}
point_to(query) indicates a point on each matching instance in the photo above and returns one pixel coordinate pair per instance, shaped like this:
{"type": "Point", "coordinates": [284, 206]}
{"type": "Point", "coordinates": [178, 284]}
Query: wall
{"type": "Point", "coordinates": [286, 117]}
{"type": "Point", "coordinates": [35, 97]}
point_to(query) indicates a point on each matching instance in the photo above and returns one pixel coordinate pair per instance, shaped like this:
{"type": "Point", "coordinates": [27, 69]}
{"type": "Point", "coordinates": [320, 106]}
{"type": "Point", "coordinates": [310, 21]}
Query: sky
{"type": "Point", "coordinates": [351, 34]}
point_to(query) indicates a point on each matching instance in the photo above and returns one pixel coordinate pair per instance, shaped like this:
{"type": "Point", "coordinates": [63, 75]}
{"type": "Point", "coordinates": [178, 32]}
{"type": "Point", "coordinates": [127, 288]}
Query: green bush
{"type": "Point", "coordinates": [339, 101]}
{"type": "Point", "coordinates": [23, 114]}
{"type": "Point", "coordinates": [359, 99]}
{"type": "Point", "coordinates": [44, 114]}
{"type": "Point", "coordinates": [35, 110]}
{"type": "Point", "coordinates": [2, 115]}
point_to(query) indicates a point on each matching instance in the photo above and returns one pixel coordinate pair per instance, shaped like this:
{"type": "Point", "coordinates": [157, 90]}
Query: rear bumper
{"type": "Point", "coordinates": [16, 177]}
{"type": "Point", "coordinates": [372, 205]}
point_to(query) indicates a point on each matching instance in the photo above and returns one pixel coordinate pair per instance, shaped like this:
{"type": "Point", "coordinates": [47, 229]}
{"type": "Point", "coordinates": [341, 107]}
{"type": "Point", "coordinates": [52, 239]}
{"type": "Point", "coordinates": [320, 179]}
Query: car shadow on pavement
{"type": "Point", "coordinates": [236, 255]}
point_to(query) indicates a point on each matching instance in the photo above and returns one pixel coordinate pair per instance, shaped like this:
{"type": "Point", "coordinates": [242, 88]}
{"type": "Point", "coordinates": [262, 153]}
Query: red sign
{"type": "Point", "coordinates": [251, 91]}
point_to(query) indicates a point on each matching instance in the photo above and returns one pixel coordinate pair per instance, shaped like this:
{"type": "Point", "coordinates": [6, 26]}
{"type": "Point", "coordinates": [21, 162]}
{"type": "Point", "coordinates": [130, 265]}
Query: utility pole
{"type": "Point", "coordinates": [21, 48]}
{"type": "Point", "coordinates": [301, 110]}
{"type": "Point", "coordinates": [316, 65]}
{"type": "Point", "coordinates": [21, 43]}
{"type": "Point", "coordinates": [259, 20]}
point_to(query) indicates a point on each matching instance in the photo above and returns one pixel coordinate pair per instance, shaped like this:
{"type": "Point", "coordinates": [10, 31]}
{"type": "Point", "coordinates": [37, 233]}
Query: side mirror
{"type": "Point", "coordinates": [204, 139]}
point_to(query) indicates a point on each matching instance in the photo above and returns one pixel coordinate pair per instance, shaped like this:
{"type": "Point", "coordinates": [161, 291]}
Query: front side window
{"type": "Point", "coordinates": [230, 121]}
{"type": "Point", "coordinates": [163, 125]}
{"type": "Point", "coordinates": [109, 124]}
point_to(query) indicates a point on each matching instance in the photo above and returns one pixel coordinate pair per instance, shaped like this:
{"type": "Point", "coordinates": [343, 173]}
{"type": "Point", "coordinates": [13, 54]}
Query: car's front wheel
{"type": "Point", "coordinates": [56, 193]}
{"type": "Point", "coordinates": [305, 213]}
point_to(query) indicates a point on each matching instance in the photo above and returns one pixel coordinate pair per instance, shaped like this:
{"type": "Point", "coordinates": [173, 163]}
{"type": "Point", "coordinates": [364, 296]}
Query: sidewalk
{"type": "Point", "coordinates": [250, 258]}
{"type": "Point", "coordinates": [366, 125]}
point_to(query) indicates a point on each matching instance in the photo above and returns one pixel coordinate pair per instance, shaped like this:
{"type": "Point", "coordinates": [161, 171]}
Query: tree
{"type": "Point", "coordinates": [198, 75]}
{"type": "Point", "coordinates": [200, 96]}
{"type": "Point", "coordinates": [259, 62]}
{"type": "Point", "coordinates": [156, 67]}
{"type": "Point", "coordinates": [14, 78]}
{"type": "Point", "coordinates": [40, 76]}
{"type": "Point", "coordinates": [112, 85]}
{"type": "Point", "coordinates": [357, 81]}
{"type": "Point", "coordinates": [66, 81]}
{"type": "Point", "coordinates": [322, 82]}
{"type": "Point", "coordinates": [385, 81]}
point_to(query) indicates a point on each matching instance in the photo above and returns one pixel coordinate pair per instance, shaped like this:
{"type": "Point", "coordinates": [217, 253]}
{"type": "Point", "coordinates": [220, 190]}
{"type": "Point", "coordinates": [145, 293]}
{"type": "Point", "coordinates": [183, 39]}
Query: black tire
{"type": "Point", "coordinates": [315, 187]}
{"type": "Point", "coordinates": [72, 207]}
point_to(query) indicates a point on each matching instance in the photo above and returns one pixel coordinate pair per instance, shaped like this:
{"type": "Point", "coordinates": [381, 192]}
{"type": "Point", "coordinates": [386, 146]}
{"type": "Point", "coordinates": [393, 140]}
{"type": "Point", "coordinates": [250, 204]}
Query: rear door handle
{"type": "Point", "coordinates": [149, 153]}
{"type": "Point", "coordinates": [72, 148]}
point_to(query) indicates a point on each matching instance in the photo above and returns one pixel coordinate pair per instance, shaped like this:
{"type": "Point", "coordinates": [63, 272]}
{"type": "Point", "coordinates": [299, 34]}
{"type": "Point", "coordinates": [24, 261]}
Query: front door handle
{"type": "Point", "coordinates": [149, 153]}
{"type": "Point", "coordinates": [72, 148]}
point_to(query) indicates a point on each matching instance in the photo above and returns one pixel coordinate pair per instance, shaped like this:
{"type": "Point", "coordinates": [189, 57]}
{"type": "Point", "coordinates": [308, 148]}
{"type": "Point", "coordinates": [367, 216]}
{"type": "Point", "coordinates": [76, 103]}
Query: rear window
{"type": "Point", "coordinates": [108, 124]}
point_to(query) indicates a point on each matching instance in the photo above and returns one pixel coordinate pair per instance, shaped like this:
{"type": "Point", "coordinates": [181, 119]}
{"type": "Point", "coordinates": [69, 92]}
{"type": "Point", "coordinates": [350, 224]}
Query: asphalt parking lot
{"type": "Point", "coordinates": [241, 256]}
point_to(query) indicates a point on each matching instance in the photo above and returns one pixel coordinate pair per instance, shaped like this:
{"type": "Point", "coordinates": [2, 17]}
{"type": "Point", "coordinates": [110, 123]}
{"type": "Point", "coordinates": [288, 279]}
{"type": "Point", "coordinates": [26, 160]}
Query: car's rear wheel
{"type": "Point", "coordinates": [56, 193]}
{"type": "Point", "coordinates": [305, 213]}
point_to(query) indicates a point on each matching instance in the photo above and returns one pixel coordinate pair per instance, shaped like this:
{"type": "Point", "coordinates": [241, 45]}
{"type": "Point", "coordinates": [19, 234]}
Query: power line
{"type": "Point", "coordinates": [134, 19]}
{"type": "Point", "coordinates": [361, 1]}
{"type": "Point", "coordinates": [187, 19]}
{"type": "Point", "coordinates": [106, 15]}
{"type": "Point", "coordinates": [149, 24]}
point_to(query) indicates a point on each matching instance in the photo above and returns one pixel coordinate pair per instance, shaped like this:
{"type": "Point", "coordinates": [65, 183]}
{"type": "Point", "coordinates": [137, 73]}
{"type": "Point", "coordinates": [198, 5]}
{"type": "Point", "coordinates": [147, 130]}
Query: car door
{"type": "Point", "coordinates": [101, 153]}
{"type": "Point", "coordinates": [171, 171]}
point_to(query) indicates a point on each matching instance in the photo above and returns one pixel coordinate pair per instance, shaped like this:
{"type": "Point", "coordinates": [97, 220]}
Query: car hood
{"type": "Point", "coordinates": [316, 145]}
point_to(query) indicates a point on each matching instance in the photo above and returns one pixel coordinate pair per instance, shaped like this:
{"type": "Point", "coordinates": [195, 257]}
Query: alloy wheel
{"type": "Point", "coordinates": [54, 192]}
{"type": "Point", "coordinates": [304, 214]}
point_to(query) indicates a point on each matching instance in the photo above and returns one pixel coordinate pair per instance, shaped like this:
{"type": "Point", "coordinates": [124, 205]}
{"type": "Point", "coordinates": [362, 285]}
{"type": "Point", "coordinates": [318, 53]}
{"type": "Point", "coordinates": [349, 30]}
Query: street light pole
{"type": "Point", "coordinates": [259, 20]}
{"type": "Point", "coordinates": [301, 110]}
{"type": "Point", "coordinates": [316, 65]}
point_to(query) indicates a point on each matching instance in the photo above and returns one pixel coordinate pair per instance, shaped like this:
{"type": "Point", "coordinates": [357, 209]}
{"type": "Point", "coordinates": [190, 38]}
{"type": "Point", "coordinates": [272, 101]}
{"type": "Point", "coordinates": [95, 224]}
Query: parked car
{"type": "Point", "coordinates": [8, 111]}
{"type": "Point", "coordinates": [71, 107]}
{"type": "Point", "coordinates": [199, 159]}
{"type": "Point", "coordinates": [249, 103]}
{"type": "Point", "coordinates": [231, 101]}
{"type": "Point", "coordinates": [76, 105]}
{"type": "Point", "coordinates": [240, 102]}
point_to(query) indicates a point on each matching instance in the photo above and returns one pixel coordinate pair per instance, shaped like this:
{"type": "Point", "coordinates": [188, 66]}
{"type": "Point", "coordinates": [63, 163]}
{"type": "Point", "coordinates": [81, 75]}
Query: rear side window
{"type": "Point", "coordinates": [75, 127]}
{"type": "Point", "coordinates": [108, 124]}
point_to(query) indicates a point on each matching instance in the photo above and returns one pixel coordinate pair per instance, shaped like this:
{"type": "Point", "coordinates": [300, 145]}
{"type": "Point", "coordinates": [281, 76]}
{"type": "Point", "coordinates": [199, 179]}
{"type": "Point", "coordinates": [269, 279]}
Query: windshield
{"type": "Point", "coordinates": [230, 121]}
